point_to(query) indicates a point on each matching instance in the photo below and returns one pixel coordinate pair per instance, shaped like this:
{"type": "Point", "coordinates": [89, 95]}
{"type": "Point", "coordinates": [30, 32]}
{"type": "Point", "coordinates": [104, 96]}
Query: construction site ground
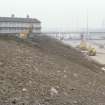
{"type": "Point", "coordinates": [100, 51]}
{"type": "Point", "coordinates": [43, 71]}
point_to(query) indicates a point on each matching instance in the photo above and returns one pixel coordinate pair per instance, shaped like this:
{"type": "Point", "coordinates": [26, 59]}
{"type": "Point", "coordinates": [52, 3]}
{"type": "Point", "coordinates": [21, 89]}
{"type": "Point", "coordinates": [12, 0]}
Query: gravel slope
{"type": "Point", "coordinates": [42, 71]}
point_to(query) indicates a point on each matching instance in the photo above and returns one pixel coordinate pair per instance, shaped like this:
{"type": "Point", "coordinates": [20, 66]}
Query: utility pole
{"type": "Point", "coordinates": [87, 24]}
{"type": "Point", "coordinates": [103, 24]}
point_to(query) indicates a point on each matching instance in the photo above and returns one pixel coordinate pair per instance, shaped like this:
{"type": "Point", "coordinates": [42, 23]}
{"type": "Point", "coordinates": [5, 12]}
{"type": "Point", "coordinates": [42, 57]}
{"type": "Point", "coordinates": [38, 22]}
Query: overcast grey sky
{"type": "Point", "coordinates": [58, 14]}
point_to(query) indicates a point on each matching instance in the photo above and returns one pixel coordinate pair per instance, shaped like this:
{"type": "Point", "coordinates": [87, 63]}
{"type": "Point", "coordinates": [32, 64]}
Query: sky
{"type": "Point", "coordinates": [58, 15]}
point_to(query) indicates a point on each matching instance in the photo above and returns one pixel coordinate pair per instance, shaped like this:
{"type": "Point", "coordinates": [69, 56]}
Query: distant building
{"type": "Point", "coordinates": [14, 25]}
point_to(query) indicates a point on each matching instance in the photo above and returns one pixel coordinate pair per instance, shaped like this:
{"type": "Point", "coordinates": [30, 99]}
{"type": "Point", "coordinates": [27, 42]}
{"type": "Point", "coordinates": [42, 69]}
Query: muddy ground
{"type": "Point", "coordinates": [42, 71]}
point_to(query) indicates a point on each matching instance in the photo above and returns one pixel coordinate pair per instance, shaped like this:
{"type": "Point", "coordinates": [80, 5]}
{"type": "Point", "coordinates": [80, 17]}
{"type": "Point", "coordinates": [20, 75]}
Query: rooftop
{"type": "Point", "coordinates": [16, 19]}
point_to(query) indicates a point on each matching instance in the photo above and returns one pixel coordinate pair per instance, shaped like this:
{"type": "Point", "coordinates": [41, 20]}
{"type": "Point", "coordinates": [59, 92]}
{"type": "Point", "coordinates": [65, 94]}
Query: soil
{"type": "Point", "coordinates": [43, 71]}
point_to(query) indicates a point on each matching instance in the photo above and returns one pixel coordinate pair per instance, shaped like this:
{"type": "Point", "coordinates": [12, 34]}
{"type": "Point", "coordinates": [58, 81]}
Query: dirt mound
{"type": "Point", "coordinates": [43, 71]}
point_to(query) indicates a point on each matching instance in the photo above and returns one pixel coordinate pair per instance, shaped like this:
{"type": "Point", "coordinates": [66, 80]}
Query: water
{"type": "Point", "coordinates": [77, 42]}
{"type": "Point", "coordinates": [74, 39]}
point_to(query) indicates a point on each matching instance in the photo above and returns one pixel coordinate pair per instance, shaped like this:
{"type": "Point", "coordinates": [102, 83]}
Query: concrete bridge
{"type": "Point", "coordinates": [75, 32]}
